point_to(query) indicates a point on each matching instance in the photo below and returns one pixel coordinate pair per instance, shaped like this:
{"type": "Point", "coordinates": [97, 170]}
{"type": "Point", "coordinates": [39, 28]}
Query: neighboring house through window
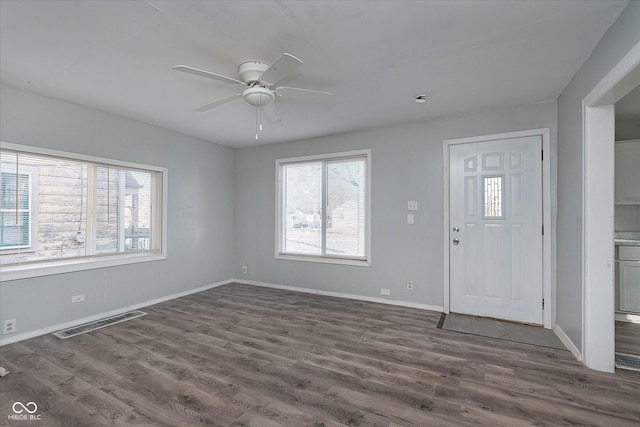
{"type": "Point", "coordinates": [65, 212]}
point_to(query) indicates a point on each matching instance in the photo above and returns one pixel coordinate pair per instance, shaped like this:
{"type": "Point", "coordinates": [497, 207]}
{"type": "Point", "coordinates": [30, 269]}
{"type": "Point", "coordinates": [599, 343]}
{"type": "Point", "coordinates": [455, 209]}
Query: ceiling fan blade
{"type": "Point", "coordinates": [218, 102]}
{"type": "Point", "coordinates": [306, 94]}
{"type": "Point", "coordinates": [283, 66]}
{"type": "Point", "coordinates": [208, 74]}
{"type": "Point", "coordinates": [272, 112]}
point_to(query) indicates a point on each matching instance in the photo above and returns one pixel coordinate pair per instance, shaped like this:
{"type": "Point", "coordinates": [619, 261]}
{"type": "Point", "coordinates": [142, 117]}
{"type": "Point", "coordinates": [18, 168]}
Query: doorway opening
{"type": "Point", "coordinates": [598, 321]}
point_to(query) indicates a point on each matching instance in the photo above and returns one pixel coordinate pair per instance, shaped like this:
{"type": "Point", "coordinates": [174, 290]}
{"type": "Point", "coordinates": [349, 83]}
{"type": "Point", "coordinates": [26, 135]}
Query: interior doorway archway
{"type": "Point", "coordinates": [598, 321]}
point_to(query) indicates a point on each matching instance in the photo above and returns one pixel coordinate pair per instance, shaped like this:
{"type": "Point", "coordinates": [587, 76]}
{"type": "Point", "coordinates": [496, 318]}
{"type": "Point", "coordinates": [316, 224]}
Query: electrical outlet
{"type": "Point", "coordinates": [77, 298]}
{"type": "Point", "coordinates": [385, 291]}
{"type": "Point", "coordinates": [9, 326]}
{"type": "Point", "coordinates": [244, 269]}
{"type": "Point", "coordinates": [410, 285]}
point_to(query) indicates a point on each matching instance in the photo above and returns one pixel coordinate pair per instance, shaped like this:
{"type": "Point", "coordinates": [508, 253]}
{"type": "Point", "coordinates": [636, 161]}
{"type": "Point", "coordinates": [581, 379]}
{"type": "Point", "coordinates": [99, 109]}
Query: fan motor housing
{"type": "Point", "coordinates": [251, 71]}
{"type": "Point", "coordinates": [258, 96]}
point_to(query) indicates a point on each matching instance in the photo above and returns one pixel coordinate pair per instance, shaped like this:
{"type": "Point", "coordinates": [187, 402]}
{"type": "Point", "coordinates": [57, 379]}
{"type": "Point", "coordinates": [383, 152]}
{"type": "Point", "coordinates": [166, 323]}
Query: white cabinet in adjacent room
{"type": "Point", "coordinates": [629, 278]}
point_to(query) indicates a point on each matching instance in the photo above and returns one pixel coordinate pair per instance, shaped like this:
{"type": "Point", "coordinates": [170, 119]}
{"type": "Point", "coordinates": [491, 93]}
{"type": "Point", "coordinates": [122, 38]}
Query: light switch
{"type": "Point", "coordinates": [410, 219]}
{"type": "Point", "coordinates": [412, 205]}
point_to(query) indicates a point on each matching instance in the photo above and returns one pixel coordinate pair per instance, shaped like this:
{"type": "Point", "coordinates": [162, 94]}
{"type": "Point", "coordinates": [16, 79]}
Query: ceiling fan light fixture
{"type": "Point", "coordinates": [256, 81]}
{"type": "Point", "coordinates": [258, 96]}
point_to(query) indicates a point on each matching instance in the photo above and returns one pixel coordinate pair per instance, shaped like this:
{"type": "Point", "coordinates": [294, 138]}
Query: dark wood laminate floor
{"type": "Point", "coordinates": [628, 338]}
{"type": "Point", "coordinates": [243, 355]}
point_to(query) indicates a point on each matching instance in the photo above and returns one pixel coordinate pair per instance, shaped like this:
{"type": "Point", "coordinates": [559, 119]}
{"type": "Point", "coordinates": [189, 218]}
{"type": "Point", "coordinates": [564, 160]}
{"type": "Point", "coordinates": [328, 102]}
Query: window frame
{"type": "Point", "coordinates": [280, 211]}
{"type": "Point", "coordinates": [59, 266]}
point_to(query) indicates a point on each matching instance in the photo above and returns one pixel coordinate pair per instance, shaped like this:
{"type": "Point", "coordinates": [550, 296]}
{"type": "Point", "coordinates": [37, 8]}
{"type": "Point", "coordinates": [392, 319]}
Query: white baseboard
{"type": "Point", "coordinates": [567, 342]}
{"type": "Point", "coordinates": [628, 317]}
{"type": "Point", "coordinates": [342, 295]}
{"type": "Point", "coordinates": [77, 322]}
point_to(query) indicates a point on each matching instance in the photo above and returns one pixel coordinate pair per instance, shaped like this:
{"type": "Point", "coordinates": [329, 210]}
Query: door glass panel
{"type": "Point", "coordinates": [493, 197]}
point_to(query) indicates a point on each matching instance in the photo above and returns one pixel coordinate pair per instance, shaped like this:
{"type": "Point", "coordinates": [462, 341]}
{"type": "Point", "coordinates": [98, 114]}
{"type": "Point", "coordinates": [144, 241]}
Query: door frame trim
{"type": "Point", "coordinates": [548, 314]}
{"type": "Point", "coordinates": [598, 164]}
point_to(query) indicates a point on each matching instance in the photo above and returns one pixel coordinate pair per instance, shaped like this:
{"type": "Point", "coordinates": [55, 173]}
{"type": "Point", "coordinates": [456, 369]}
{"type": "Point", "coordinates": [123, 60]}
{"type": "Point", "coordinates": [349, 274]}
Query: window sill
{"type": "Point", "coordinates": [324, 259]}
{"type": "Point", "coordinates": [25, 271]}
{"type": "Point", "coordinates": [17, 251]}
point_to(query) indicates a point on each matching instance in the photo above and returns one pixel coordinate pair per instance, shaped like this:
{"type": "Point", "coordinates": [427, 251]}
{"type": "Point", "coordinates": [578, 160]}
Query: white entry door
{"type": "Point", "coordinates": [495, 236]}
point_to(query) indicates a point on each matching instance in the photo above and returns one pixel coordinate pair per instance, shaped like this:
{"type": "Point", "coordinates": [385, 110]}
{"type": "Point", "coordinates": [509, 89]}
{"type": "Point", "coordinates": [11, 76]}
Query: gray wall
{"type": "Point", "coordinates": [200, 216]}
{"type": "Point", "coordinates": [620, 38]}
{"type": "Point", "coordinates": [406, 165]}
{"type": "Point", "coordinates": [627, 130]}
{"type": "Point", "coordinates": [627, 218]}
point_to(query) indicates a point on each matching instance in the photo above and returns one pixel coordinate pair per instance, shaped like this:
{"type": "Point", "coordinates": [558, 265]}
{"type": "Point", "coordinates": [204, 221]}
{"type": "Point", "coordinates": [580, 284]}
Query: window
{"type": "Point", "coordinates": [323, 208]}
{"type": "Point", "coordinates": [63, 212]}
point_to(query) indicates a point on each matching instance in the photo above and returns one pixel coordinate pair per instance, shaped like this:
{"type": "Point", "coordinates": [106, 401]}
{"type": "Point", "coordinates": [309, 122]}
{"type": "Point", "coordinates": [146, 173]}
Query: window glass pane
{"type": "Point", "coordinates": [107, 209]}
{"type": "Point", "coordinates": [493, 196]}
{"type": "Point", "coordinates": [303, 208]}
{"type": "Point", "coordinates": [345, 208]}
{"type": "Point", "coordinates": [14, 230]}
{"type": "Point", "coordinates": [61, 207]}
{"type": "Point", "coordinates": [14, 209]}
{"type": "Point", "coordinates": [123, 220]}
{"type": "Point", "coordinates": [137, 211]}
{"type": "Point", "coordinates": [9, 188]}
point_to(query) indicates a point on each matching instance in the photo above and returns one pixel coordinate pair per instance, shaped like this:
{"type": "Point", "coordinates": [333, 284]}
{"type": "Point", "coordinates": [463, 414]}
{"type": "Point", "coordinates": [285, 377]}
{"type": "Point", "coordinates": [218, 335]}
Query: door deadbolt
{"type": "Point", "coordinates": [456, 229]}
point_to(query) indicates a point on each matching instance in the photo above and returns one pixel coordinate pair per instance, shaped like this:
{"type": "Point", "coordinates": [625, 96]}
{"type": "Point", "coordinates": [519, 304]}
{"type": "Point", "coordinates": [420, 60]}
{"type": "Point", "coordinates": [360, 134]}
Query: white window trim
{"type": "Point", "coordinates": [279, 203]}
{"type": "Point", "coordinates": [46, 268]}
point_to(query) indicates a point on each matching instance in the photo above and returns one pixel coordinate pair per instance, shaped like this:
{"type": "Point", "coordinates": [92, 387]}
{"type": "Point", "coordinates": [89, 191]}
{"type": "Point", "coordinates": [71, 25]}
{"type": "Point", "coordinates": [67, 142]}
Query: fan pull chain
{"type": "Point", "coordinates": [256, 123]}
{"type": "Point", "coordinates": [260, 111]}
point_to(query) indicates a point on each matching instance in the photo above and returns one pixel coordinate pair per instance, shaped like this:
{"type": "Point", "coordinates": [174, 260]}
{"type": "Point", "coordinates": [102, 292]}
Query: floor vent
{"type": "Point", "coordinates": [88, 327]}
{"type": "Point", "coordinates": [628, 361]}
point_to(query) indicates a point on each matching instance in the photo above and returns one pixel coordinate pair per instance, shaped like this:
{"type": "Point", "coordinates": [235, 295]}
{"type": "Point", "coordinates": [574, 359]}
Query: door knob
{"type": "Point", "coordinates": [456, 241]}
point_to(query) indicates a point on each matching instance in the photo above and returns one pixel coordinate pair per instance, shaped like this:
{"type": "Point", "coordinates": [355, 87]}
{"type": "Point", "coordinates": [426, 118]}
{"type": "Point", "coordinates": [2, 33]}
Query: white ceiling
{"type": "Point", "coordinates": [468, 56]}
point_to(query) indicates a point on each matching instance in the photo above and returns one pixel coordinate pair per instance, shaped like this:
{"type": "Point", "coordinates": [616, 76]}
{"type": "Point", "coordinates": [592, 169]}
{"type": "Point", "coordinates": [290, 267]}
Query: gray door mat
{"type": "Point", "coordinates": [628, 361]}
{"type": "Point", "coordinates": [527, 334]}
{"type": "Point", "coordinates": [92, 326]}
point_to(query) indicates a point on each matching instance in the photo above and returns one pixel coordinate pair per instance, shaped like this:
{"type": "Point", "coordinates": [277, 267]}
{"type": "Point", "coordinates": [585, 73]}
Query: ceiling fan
{"type": "Point", "coordinates": [256, 80]}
